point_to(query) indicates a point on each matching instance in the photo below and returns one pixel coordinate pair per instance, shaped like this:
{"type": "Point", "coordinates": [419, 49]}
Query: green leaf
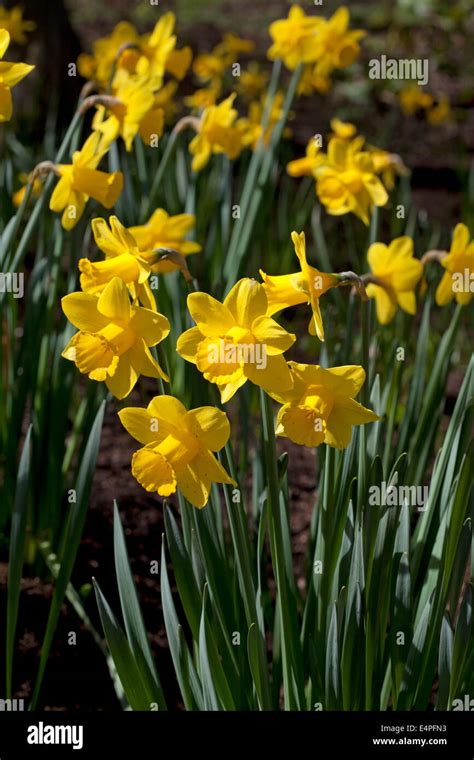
{"type": "Point", "coordinates": [73, 533]}
{"type": "Point", "coordinates": [130, 674]}
{"type": "Point", "coordinates": [17, 550]}
{"type": "Point", "coordinates": [444, 663]}
{"type": "Point", "coordinates": [134, 625]}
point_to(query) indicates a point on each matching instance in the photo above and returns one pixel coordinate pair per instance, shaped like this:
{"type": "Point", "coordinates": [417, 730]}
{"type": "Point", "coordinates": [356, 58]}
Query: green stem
{"type": "Point", "coordinates": [243, 231]}
{"type": "Point", "coordinates": [40, 203]}
{"type": "Point", "coordinates": [160, 172]}
{"type": "Point", "coordinates": [276, 536]}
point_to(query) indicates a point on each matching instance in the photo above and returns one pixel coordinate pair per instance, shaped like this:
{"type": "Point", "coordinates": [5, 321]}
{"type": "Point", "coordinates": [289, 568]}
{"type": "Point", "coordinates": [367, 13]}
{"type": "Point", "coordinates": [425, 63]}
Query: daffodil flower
{"type": "Point", "coordinates": [14, 23]}
{"type": "Point", "coordinates": [396, 274]}
{"type": "Point", "coordinates": [344, 130]}
{"type": "Point", "coordinates": [114, 338]}
{"type": "Point", "coordinates": [347, 181]}
{"type": "Point", "coordinates": [81, 180]}
{"type": "Point", "coordinates": [306, 286]}
{"type": "Point", "coordinates": [458, 280]}
{"type": "Point", "coordinates": [179, 448]}
{"type": "Point", "coordinates": [306, 167]}
{"type": "Point", "coordinates": [294, 38]}
{"type": "Point", "coordinates": [113, 50]}
{"type": "Point", "coordinates": [236, 340]}
{"type": "Point", "coordinates": [10, 75]}
{"type": "Point", "coordinates": [335, 45]}
{"type": "Point", "coordinates": [216, 134]}
{"type": "Point", "coordinates": [128, 111]}
{"type": "Point", "coordinates": [320, 408]}
{"type": "Point", "coordinates": [122, 259]}
{"type": "Point", "coordinates": [165, 231]}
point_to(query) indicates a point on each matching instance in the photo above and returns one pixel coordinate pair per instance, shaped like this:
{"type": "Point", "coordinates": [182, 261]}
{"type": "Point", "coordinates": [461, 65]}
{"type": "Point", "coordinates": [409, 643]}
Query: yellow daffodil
{"type": "Point", "coordinates": [251, 128]}
{"type": "Point", "coordinates": [168, 232]}
{"type": "Point", "coordinates": [306, 167]}
{"type": "Point", "coordinates": [205, 97]}
{"type": "Point", "coordinates": [157, 49]}
{"type": "Point", "coordinates": [115, 49]}
{"type": "Point", "coordinates": [236, 340]}
{"type": "Point", "coordinates": [294, 38]}
{"type": "Point", "coordinates": [320, 408]}
{"type": "Point", "coordinates": [413, 98]}
{"type": "Point", "coordinates": [252, 81]}
{"type": "Point", "coordinates": [10, 75]}
{"type": "Point", "coordinates": [232, 46]}
{"type": "Point", "coordinates": [306, 286]}
{"type": "Point", "coordinates": [122, 259]}
{"type": "Point", "coordinates": [311, 82]}
{"type": "Point", "coordinates": [458, 280]}
{"type": "Point", "coordinates": [440, 112]}
{"type": "Point", "coordinates": [347, 181]}
{"type": "Point", "coordinates": [179, 448]}
{"type": "Point", "coordinates": [387, 165]}
{"type": "Point", "coordinates": [396, 274]}
{"type": "Point", "coordinates": [344, 130]}
{"type": "Point", "coordinates": [14, 23]}
{"type": "Point", "coordinates": [132, 102]}
{"type": "Point", "coordinates": [217, 134]}
{"type": "Point", "coordinates": [20, 194]}
{"type": "Point", "coordinates": [335, 46]}
{"type": "Point", "coordinates": [82, 180]}
{"type": "Point", "coordinates": [178, 62]}
{"type": "Point", "coordinates": [209, 67]}
{"type": "Point", "coordinates": [114, 338]}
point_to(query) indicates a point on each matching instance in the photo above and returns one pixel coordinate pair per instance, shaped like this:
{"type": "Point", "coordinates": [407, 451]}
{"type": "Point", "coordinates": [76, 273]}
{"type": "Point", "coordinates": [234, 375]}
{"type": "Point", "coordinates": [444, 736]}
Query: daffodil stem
{"type": "Point", "coordinates": [160, 173]}
{"type": "Point", "coordinates": [256, 182]}
{"type": "Point", "coordinates": [16, 224]}
{"type": "Point", "coordinates": [239, 533]}
{"type": "Point", "coordinates": [257, 155]}
{"type": "Point", "coordinates": [276, 541]}
{"type": "Point", "coordinates": [40, 203]}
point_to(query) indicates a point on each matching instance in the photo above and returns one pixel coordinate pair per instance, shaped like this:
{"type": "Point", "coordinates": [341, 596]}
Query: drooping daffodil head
{"type": "Point", "coordinates": [178, 448]}
{"type": "Point", "coordinates": [321, 406]}
{"type": "Point", "coordinates": [396, 275]}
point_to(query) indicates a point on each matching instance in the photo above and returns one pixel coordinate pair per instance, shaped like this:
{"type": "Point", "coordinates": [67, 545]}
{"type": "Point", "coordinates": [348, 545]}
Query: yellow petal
{"type": "Point", "coordinates": [4, 42]}
{"type": "Point", "coordinates": [123, 380]}
{"type": "Point", "coordinates": [60, 197]}
{"type": "Point", "coordinates": [212, 318]}
{"type": "Point", "coordinates": [407, 301]}
{"type": "Point", "coordinates": [12, 73]}
{"type": "Point", "coordinates": [210, 425]}
{"type": "Point", "coordinates": [188, 344]}
{"type": "Point", "coordinates": [6, 103]}
{"type": "Point", "coordinates": [341, 419]}
{"type": "Point", "coordinates": [114, 302]}
{"type": "Point", "coordinates": [275, 376]}
{"type": "Point", "coordinates": [194, 488]}
{"type": "Point", "coordinates": [269, 333]}
{"type": "Point", "coordinates": [228, 390]}
{"type": "Point", "coordinates": [246, 301]}
{"type": "Point", "coordinates": [284, 290]}
{"type": "Point", "coordinates": [302, 424]}
{"type": "Point", "coordinates": [81, 310]}
{"type": "Point", "coordinates": [460, 239]}
{"type": "Point", "coordinates": [139, 423]}
{"type": "Point", "coordinates": [101, 186]}
{"type": "Point", "coordinates": [444, 291]}
{"type": "Point", "coordinates": [143, 362]}
{"type": "Point", "coordinates": [385, 303]}
{"type": "Point", "coordinates": [152, 326]}
{"type": "Point", "coordinates": [153, 472]}
{"type": "Point", "coordinates": [167, 409]}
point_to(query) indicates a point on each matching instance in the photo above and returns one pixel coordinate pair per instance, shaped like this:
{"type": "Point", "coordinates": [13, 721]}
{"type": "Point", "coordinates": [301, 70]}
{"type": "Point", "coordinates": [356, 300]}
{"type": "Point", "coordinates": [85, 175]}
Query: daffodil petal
{"type": "Point", "coordinates": [210, 425]}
